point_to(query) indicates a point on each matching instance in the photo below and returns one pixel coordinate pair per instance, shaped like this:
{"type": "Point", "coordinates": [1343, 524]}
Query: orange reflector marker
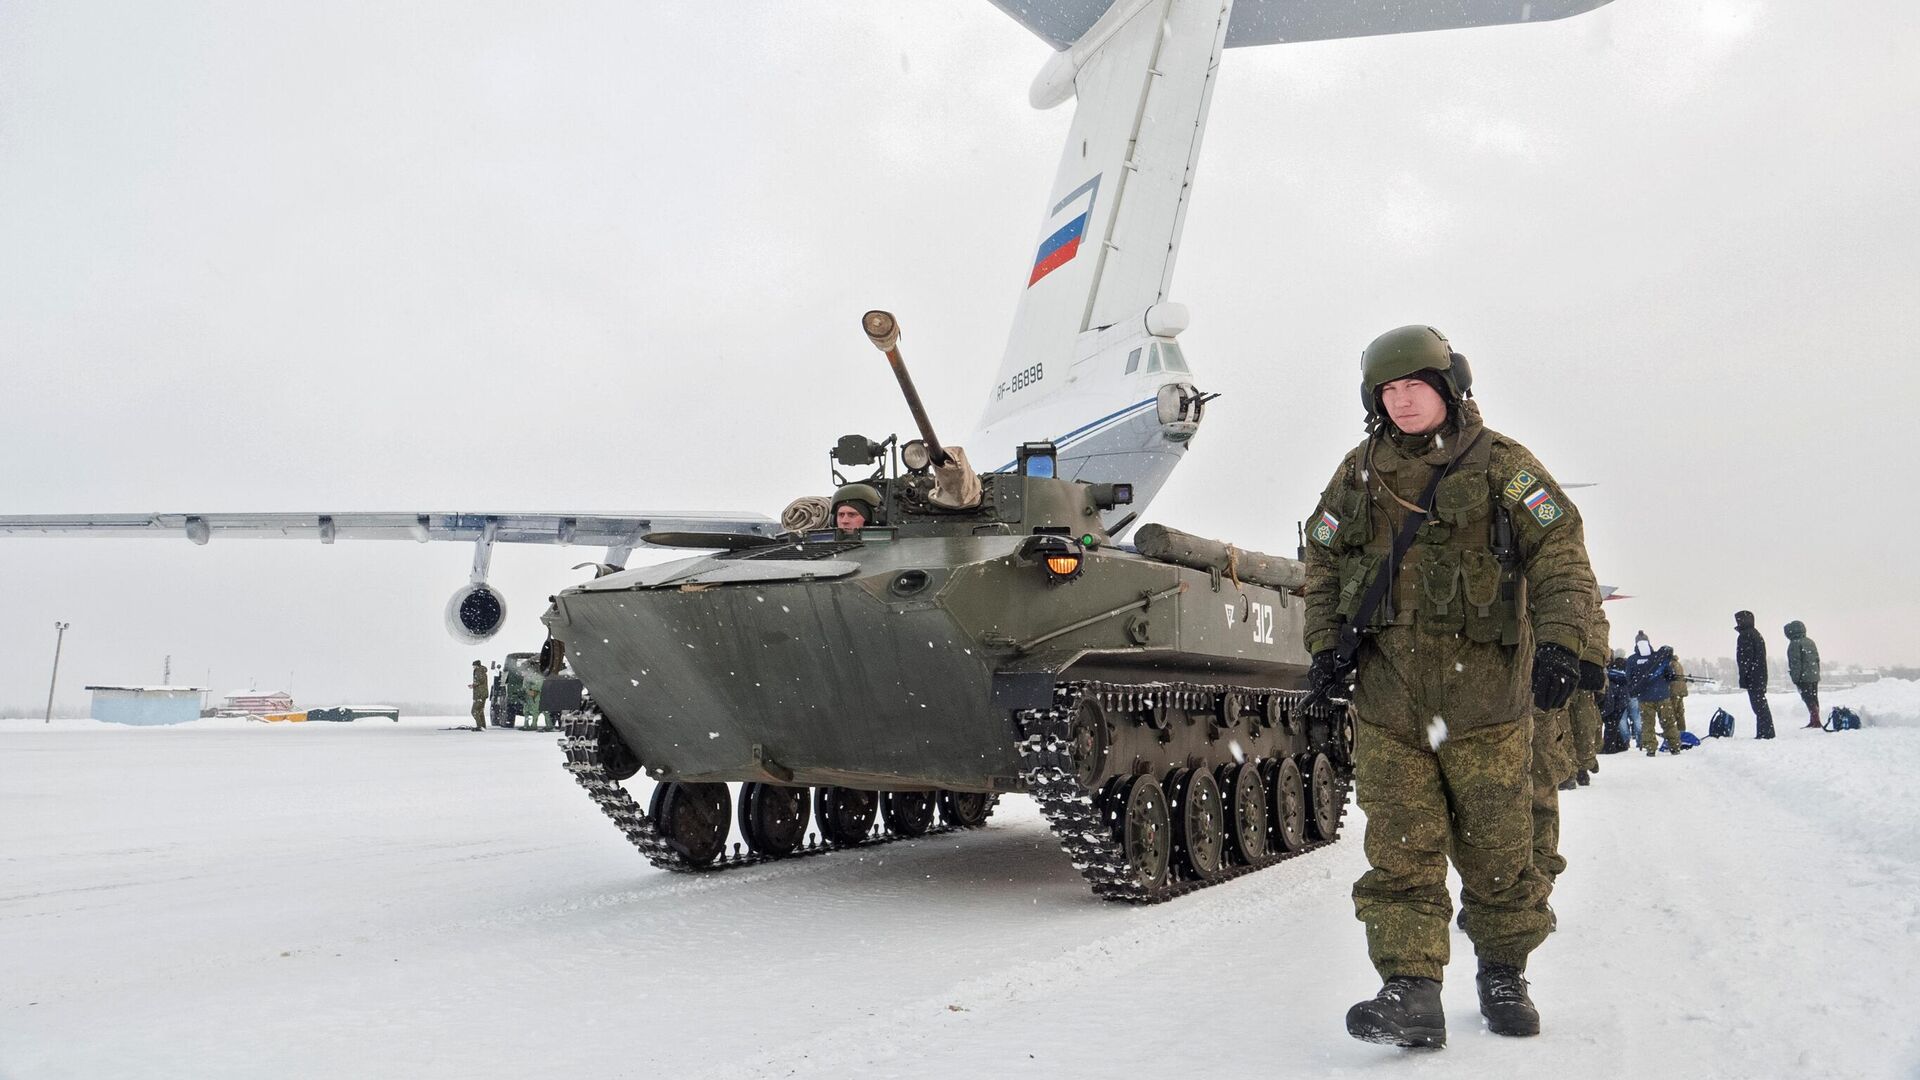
{"type": "Point", "coordinates": [1063, 566]}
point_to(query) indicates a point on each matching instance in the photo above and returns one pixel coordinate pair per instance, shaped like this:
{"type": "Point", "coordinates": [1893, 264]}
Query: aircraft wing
{"type": "Point", "coordinates": [476, 612]}
{"type": "Point", "coordinates": [617, 532]}
{"type": "Point", "coordinates": [1060, 23]}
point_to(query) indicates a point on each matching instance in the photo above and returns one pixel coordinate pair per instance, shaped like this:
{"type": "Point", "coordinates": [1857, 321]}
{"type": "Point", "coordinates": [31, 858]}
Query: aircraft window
{"type": "Point", "coordinates": [1153, 359]}
{"type": "Point", "coordinates": [1133, 361]}
{"type": "Point", "coordinates": [1176, 360]}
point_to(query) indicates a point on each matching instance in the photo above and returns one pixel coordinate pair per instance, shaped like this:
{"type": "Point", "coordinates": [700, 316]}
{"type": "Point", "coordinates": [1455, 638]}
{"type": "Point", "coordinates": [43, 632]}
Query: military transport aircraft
{"type": "Point", "coordinates": [1093, 363]}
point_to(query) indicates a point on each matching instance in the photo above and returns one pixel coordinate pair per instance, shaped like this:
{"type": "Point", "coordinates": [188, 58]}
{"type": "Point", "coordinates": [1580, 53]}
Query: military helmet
{"type": "Point", "coordinates": [865, 495]}
{"type": "Point", "coordinates": [1408, 350]}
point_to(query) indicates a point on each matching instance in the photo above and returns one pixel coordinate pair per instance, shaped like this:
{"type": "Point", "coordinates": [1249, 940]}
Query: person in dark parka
{"type": "Point", "coordinates": [1803, 667]}
{"type": "Point", "coordinates": [1750, 656]}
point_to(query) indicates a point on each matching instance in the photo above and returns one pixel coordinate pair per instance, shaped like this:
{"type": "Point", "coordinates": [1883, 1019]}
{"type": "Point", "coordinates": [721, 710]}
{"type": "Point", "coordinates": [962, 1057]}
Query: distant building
{"type": "Point", "coordinates": [146, 704]}
{"type": "Point", "coordinates": [258, 702]}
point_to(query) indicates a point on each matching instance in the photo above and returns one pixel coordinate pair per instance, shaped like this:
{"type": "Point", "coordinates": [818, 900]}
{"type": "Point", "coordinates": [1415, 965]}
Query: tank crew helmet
{"type": "Point", "coordinates": [1413, 351]}
{"type": "Point", "coordinates": [862, 497]}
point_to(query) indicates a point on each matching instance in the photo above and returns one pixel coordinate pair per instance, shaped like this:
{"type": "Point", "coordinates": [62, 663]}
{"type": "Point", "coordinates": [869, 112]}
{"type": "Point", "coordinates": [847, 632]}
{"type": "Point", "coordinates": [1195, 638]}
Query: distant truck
{"type": "Point", "coordinates": [525, 696]}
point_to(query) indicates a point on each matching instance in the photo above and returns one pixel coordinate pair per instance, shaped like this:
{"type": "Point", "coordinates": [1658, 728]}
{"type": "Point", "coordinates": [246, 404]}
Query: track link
{"type": "Point", "coordinates": [1083, 826]}
{"type": "Point", "coordinates": [580, 740]}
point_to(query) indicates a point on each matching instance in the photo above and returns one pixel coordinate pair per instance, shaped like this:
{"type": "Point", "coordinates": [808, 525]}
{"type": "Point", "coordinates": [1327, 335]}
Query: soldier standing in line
{"type": "Point", "coordinates": [1677, 696]}
{"type": "Point", "coordinates": [1585, 708]}
{"type": "Point", "coordinates": [1447, 573]}
{"type": "Point", "coordinates": [479, 696]}
{"type": "Point", "coordinates": [1750, 658]}
{"type": "Point", "coordinates": [1803, 667]}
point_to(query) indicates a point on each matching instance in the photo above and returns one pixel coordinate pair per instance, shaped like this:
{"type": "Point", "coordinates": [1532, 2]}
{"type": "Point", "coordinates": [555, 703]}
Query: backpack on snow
{"type": "Point", "coordinates": [1842, 719]}
{"type": "Point", "coordinates": [1720, 725]}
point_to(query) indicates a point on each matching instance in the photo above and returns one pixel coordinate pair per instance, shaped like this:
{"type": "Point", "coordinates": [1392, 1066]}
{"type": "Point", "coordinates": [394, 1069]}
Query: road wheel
{"type": "Point", "coordinates": [694, 820]}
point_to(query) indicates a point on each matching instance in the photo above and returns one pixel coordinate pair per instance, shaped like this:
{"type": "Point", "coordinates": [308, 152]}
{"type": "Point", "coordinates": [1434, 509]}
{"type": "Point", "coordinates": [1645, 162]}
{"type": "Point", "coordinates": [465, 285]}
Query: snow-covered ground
{"type": "Point", "coordinates": [226, 899]}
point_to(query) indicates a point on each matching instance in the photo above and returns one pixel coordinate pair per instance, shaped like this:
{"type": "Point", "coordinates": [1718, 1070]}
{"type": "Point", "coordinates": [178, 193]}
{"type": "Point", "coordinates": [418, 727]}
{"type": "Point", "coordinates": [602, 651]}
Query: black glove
{"type": "Point", "coordinates": [1555, 673]}
{"type": "Point", "coordinates": [1592, 676]}
{"type": "Point", "coordinates": [1327, 673]}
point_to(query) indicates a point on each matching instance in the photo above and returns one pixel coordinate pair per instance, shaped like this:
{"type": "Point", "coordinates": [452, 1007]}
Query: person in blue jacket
{"type": "Point", "coordinates": [1649, 676]}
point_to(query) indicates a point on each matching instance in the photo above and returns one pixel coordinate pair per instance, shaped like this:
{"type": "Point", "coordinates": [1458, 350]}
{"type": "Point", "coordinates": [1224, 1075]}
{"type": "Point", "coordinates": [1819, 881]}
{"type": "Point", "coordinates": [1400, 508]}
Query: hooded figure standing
{"type": "Point", "coordinates": [1803, 667]}
{"type": "Point", "coordinates": [1477, 619]}
{"type": "Point", "coordinates": [1750, 657]}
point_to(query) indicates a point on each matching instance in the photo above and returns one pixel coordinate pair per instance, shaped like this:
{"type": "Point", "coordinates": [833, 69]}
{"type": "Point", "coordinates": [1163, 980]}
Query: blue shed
{"type": "Point", "coordinates": [146, 704]}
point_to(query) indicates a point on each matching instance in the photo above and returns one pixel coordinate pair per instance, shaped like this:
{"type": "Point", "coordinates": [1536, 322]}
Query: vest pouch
{"type": "Point", "coordinates": [1356, 523]}
{"type": "Point", "coordinates": [1356, 573]}
{"type": "Point", "coordinates": [1462, 498]}
{"type": "Point", "coordinates": [1488, 615]}
{"type": "Point", "coordinates": [1441, 609]}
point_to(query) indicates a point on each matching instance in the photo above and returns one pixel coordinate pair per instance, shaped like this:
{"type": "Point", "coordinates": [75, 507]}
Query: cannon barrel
{"type": "Point", "coordinates": [884, 332]}
{"type": "Point", "coordinates": [1200, 553]}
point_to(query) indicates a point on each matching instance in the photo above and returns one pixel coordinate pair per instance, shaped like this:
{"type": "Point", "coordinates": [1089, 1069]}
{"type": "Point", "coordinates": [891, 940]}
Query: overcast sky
{"type": "Point", "coordinates": [611, 256]}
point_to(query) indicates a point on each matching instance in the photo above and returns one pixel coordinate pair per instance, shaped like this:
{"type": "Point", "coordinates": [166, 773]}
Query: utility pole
{"type": "Point", "coordinates": [58, 640]}
{"type": "Point", "coordinates": [166, 672]}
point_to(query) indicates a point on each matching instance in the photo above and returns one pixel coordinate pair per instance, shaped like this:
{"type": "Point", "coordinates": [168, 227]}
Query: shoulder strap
{"type": "Point", "coordinates": [1349, 642]}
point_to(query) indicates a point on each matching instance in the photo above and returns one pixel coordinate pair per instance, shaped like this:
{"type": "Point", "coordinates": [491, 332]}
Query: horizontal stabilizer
{"type": "Point", "coordinates": [1060, 23]}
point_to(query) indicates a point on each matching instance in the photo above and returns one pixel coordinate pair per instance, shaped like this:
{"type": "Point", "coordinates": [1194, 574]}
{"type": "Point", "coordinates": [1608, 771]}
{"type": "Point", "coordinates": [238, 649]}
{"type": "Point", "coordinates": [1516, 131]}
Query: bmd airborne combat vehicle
{"type": "Point", "coordinates": [981, 634]}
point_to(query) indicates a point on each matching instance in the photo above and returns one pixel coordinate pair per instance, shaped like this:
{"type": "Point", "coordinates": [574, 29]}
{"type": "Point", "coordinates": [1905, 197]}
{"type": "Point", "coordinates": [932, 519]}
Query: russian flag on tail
{"type": "Point", "coordinates": [1061, 245]}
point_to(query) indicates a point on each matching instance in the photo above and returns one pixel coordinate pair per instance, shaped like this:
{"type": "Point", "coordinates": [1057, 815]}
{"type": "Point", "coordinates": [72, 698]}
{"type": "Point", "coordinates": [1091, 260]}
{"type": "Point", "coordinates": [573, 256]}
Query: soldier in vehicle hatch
{"type": "Point", "coordinates": [854, 506]}
{"type": "Point", "coordinates": [1447, 574]}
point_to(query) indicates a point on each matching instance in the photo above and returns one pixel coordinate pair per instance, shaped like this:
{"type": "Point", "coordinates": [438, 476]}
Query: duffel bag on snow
{"type": "Point", "coordinates": [1842, 719]}
{"type": "Point", "coordinates": [1720, 725]}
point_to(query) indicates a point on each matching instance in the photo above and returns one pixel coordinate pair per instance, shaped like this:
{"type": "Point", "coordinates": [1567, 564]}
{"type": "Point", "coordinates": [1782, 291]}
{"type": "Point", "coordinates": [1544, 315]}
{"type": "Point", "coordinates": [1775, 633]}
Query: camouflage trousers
{"type": "Point", "coordinates": [479, 713]}
{"type": "Point", "coordinates": [1553, 764]}
{"type": "Point", "coordinates": [1468, 798]}
{"type": "Point", "coordinates": [1664, 713]}
{"type": "Point", "coordinates": [1584, 719]}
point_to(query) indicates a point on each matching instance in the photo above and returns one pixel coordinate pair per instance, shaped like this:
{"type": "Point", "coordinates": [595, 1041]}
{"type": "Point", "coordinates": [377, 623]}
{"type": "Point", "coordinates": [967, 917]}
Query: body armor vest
{"type": "Point", "coordinates": [1461, 575]}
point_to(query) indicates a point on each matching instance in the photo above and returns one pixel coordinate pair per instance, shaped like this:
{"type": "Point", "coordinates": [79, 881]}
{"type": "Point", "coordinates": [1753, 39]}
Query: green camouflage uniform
{"type": "Point", "coordinates": [1559, 753]}
{"type": "Point", "coordinates": [1442, 685]}
{"type": "Point", "coordinates": [1678, 695]}
{"type": "Point", "coordinates": [1585, 706]}
{"type": "Point", "coordinates": [479, 697]}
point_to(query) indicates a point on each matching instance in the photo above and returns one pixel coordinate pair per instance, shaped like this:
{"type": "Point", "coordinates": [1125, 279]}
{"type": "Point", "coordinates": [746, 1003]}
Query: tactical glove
{"type": "Point", "coordinates": [1555, 673]}
{"type": "Point", "coordinates": [1327, 673]}
{"type": "Point", "coordinates": [1592, 676]}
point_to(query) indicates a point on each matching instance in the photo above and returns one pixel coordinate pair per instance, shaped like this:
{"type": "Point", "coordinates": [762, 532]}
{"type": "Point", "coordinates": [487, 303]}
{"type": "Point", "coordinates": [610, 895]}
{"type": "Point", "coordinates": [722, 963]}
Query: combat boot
{"type": "Point", "coordinates": [1568, 784]}
{"type": "Point", "coordinates": [1504, 1001]}
{"type": "Point", "coordinates": [1406, 1012]}
{"type": "Point", "coordinates": [1583, 778]}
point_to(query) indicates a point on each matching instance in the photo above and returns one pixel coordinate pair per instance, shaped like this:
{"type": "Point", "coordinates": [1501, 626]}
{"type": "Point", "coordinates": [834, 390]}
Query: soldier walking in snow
{"type": "Point", "coordinates": [1750, 657]}
{"type": "Point", "coordinates": [1447, 573]}
{"type": "Point", "coordinates": [479, 696]}
{"type": "Point", "coordinates": [1803, 667]}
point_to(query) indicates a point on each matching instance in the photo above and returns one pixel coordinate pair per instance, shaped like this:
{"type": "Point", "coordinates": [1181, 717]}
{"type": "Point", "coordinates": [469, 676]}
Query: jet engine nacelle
{"type": "Point", "coordinates": [476, 613]}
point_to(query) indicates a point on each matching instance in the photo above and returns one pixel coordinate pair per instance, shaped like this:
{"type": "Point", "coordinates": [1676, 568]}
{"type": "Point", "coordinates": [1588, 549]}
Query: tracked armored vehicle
{"type": "Point", "coordinates": [982, 634]}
